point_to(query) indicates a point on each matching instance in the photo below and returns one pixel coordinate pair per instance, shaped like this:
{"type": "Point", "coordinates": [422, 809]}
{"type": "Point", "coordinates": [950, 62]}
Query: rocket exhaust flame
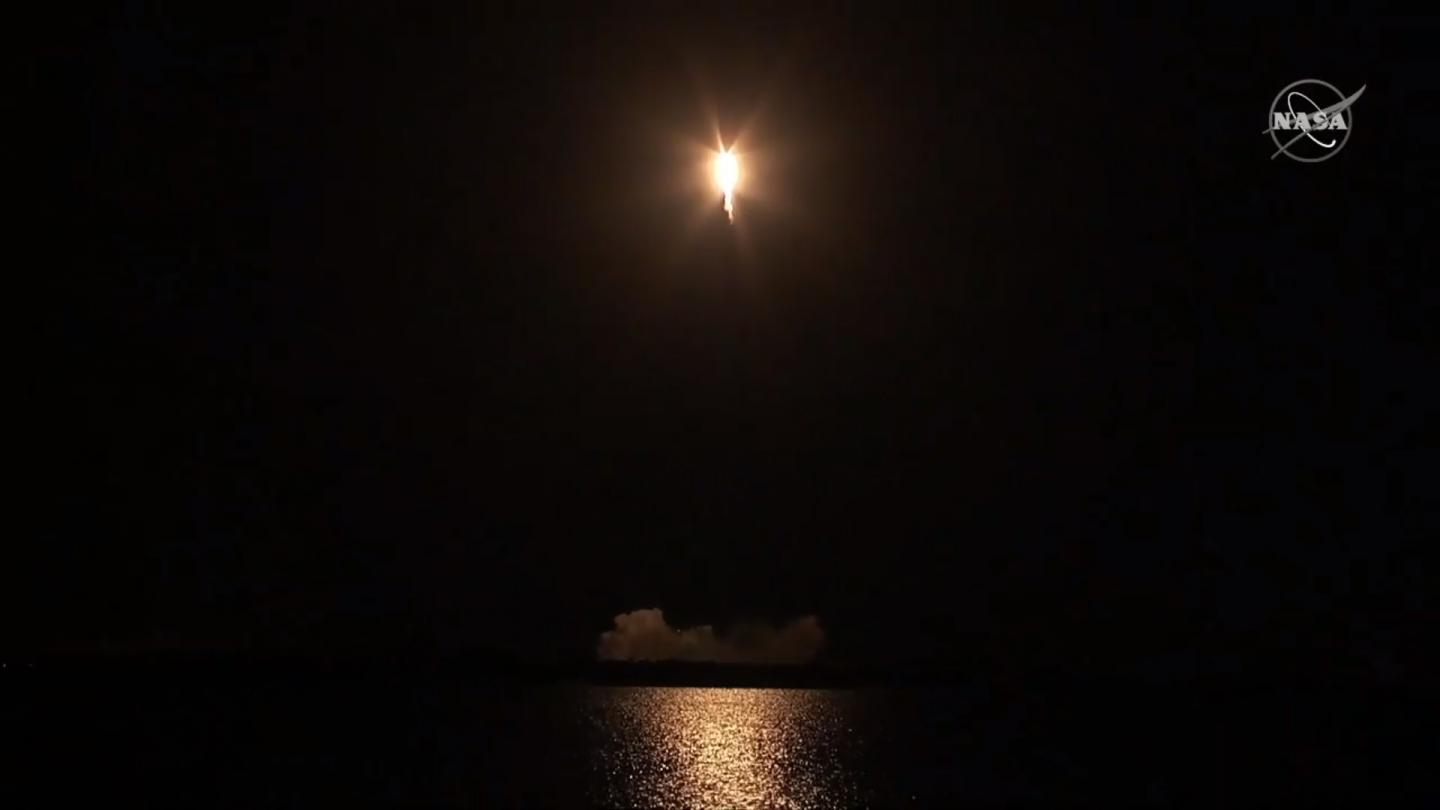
{"type": "Point", "coordinates": [727, 174]}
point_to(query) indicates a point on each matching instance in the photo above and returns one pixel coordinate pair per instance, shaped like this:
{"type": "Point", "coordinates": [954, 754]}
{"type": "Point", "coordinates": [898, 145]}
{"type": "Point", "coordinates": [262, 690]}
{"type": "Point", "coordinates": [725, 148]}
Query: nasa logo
{"type": "Point", "coordinates": [1319, 132]}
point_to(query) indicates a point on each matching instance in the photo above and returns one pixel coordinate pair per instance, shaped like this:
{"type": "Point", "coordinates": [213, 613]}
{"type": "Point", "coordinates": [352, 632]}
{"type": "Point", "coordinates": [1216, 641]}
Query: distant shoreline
{"type": "Point", "coordinates": [500, 670]}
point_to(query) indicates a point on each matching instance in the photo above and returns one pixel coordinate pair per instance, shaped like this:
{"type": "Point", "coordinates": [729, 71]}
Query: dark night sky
{"type": "Point", "coordinates": [381, 334]}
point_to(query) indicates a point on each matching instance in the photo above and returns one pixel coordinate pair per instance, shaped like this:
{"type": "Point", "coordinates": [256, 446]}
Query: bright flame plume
{"type": "Point", "coordinates": [727, 175]}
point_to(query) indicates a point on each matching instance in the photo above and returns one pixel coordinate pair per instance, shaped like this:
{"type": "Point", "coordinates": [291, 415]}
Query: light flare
{"type": "Point", "coordinates": [727, 176]}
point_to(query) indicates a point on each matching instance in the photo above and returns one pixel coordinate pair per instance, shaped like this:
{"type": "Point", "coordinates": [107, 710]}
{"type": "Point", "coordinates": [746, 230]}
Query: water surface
{"type": "Point", "coordinates": [337, 741]}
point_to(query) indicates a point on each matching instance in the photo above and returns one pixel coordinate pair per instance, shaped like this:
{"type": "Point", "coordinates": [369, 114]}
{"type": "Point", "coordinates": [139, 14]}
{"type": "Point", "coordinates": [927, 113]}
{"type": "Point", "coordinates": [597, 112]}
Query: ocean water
{"type": "Point", "coordinates": [331, 742]}
{"type": "Point", "coordinates": [731, 748]}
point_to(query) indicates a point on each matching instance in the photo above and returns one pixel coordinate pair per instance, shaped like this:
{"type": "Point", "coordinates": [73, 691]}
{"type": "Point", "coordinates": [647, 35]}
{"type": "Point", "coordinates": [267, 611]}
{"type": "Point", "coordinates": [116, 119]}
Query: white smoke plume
{"type": "Point", "coordinates": [644, 635]}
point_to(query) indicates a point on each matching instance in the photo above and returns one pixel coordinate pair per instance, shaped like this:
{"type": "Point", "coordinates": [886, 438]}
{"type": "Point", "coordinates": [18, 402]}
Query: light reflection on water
{"type": "Point", "coordinates": [722, 748]}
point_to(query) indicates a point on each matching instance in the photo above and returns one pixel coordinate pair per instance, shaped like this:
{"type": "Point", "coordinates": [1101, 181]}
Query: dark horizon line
{"type": "Point", "coordinates": [1189, 671]}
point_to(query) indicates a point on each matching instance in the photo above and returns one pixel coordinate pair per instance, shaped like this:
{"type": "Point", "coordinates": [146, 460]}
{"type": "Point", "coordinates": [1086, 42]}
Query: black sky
{"type": "Point", "coordinates": [380, 334]}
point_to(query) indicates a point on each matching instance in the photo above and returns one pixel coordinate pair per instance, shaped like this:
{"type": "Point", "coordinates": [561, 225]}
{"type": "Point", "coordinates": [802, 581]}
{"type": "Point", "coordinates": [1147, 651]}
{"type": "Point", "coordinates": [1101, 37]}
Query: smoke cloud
{"type": "Point", "coordinates": [644, 635]}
